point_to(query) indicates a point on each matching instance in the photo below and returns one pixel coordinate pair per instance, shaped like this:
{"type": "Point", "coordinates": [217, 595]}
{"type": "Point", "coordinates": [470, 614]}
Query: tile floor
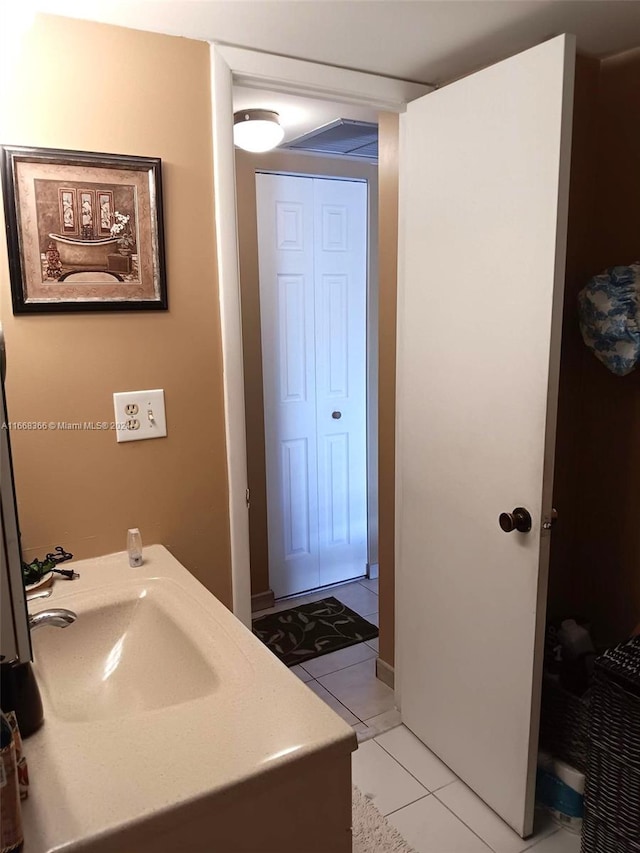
{"type": "Point", "coordinates": [346, 679]}
{"type": "Point", "coordinates": [433, 810]}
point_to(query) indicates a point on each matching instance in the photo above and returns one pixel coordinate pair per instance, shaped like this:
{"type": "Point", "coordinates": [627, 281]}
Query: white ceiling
{"type": "Point", "coordinates": [421, 40]}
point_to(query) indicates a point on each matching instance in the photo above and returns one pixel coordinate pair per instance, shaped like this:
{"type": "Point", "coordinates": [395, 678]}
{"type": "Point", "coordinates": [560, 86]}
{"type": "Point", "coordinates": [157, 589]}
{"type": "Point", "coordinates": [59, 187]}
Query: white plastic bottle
{"type": "Point", "coordinates": [134, 547]}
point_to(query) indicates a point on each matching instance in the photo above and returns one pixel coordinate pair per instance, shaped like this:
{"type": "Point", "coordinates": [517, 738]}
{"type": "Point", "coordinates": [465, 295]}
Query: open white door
{"type": "Point", "coordinates": [483, 202]}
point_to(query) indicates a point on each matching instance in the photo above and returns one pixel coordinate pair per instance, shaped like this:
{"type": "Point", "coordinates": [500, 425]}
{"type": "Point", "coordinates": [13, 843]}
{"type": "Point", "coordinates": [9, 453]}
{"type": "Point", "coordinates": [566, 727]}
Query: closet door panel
{"type": "Point", "coordinates": [340, 264]}
{"type": "Point", "coordinates": [287, 305]}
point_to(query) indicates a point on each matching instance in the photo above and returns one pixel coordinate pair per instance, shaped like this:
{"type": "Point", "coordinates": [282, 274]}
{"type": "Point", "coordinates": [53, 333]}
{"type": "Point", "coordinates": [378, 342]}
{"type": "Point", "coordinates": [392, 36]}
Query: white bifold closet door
{"type": "Point", "coordinates": [484, 171]}
{"type": "Point", "coordinates": [312, 250]}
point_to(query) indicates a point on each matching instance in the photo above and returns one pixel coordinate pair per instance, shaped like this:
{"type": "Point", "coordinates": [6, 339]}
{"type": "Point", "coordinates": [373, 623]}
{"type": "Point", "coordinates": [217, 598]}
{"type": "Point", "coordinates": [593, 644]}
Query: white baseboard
{"type": "Point", "coordinates": [386, 673]}
{"type": "Point", "coordinates": [373, 571]}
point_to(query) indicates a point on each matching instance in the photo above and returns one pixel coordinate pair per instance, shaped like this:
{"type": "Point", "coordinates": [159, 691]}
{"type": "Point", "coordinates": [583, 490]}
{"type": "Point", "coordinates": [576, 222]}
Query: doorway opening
{"type": "Point", "coordinates": [313, 494]}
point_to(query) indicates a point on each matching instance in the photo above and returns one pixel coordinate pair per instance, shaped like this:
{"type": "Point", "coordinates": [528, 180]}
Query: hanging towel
{"type": "Point", "coordinates": [609, 314]}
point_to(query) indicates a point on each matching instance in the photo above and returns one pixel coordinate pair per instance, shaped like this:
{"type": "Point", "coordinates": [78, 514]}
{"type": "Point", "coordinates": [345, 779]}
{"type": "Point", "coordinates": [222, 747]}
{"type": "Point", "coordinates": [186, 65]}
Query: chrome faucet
{"type": "Point", "coordinates": [59, 617]}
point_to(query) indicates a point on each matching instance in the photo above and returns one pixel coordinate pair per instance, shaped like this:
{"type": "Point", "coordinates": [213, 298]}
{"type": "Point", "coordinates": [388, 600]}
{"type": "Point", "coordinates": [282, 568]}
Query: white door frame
{"type": "Point", "coordinates": [231, 65]}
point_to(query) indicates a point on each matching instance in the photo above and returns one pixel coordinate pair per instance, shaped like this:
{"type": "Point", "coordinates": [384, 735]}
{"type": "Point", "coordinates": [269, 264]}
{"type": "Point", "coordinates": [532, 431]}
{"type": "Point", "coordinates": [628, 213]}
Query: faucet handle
{"type": "Point", "coordinates": [38, 593]}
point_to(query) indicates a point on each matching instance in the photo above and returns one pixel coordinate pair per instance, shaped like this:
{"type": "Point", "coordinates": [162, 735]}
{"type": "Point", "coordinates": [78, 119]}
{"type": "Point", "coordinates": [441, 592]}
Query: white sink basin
{"type": "Point", "coordinates": [162, 711]}
{"type": "Point", "coordinates": [128, 655]}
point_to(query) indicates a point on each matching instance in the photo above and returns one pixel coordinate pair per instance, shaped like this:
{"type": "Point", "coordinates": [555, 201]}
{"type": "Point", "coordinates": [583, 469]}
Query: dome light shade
{"type": "Point", "coordinates": [257, 130]}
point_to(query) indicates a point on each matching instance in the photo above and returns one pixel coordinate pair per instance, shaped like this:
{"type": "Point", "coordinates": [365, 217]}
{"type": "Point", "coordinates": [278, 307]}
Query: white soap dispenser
{"type": "Point", "coordinates": [134, 547]}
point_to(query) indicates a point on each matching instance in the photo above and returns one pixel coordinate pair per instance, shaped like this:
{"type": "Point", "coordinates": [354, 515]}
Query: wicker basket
{"type": "Point", "coordinates": [615, 713]}
{"type": "Point", "coordinates": [599, 838]}
{"type": "Point", "coordinates": [612, 795]}
{"type": "Point", "coordinates": [564, 724]}
{"type": "Point", "coordinates": [613, 791]}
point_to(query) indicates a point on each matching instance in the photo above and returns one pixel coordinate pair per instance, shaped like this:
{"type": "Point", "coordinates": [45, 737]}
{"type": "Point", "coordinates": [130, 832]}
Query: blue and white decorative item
{"type": "Point", "coordinates": [609, 314]}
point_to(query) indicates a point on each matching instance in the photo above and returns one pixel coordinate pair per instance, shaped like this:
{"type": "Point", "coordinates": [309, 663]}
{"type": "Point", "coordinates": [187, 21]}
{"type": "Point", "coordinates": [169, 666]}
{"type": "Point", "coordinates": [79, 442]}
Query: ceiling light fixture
{"type": "Point", "coordinates": [257, 130]}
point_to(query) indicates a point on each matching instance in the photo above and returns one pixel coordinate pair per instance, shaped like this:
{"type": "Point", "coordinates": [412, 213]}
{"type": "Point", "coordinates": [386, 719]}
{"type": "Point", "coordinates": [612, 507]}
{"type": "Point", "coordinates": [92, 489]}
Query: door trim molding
{"type": "Point", "coordinates": [231, 65]}
{"type": "Point", "coordinates": [226, 236]}
{"type": "Point", "coordinates": [301, 77]}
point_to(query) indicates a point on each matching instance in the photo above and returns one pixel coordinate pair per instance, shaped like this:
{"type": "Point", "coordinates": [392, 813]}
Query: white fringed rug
{"type": "Point", "coordinates": [372, 833]}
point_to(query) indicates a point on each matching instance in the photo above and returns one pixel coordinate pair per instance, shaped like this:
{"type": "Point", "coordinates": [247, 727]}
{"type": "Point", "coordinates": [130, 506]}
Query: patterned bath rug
{"type": "Point", "coordinates": [371, 832]}
{"type": "Point", "coordinates": [310, 630]}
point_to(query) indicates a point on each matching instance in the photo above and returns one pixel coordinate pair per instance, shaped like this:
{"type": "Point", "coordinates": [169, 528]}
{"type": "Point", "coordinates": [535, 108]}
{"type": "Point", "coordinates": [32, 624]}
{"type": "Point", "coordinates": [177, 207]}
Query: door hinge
{"type": "Point", "coordinates": [550, 520]}
{"type": "Point", "coordinates": [247, 497]}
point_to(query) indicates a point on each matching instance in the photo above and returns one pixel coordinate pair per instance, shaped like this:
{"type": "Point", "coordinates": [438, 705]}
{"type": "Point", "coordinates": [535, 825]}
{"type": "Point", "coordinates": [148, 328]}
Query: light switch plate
{"type": "Point", "coordinates": [140, 415]}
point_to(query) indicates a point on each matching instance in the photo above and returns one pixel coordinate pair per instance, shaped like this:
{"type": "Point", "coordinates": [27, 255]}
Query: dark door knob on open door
{"type": "Point", "coordinates": [519, 519]}
{"type": "Point", "coordinates": [336, 415]}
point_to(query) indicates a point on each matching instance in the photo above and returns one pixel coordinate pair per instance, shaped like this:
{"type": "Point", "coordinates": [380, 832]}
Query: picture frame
{"type": "Point", "coordinates": [85, 231]}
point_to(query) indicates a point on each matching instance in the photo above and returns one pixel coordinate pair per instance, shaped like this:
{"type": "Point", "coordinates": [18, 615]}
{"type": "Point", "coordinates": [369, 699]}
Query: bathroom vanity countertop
{"type": "Point", "coordinates": [97, 770]}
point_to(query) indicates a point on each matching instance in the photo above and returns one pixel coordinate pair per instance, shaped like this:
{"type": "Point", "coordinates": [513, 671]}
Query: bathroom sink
{"type": "Point", "coordinates": [169, 726]}
{"type": "Point", "coordinates": [130, 651]}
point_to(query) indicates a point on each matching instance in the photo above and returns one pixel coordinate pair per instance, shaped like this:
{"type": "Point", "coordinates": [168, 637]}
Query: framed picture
{"type": "Point", "coordinates": [84, 231]}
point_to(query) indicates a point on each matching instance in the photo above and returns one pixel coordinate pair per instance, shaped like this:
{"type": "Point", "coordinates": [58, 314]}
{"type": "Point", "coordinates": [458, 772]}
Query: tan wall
{"type": "Point", "coordinates": [579, 267]}
{"type": "Point", "coordinates": [611, 465]}
{"type": "Point", "coordinates": [595, 567]}
{"type": "Point", "coordinates": [92, 87]}
{"type": "Point", "coordinates": [388, 125]}
{"type": "Point", "coordinates": [246, 166]}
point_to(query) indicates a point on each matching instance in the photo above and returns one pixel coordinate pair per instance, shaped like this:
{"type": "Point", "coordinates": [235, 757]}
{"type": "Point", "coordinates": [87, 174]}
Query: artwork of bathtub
{"type": "Point", "coordinates": [85, 254]}
{"type": "Point", "coordinates": [81, 225]}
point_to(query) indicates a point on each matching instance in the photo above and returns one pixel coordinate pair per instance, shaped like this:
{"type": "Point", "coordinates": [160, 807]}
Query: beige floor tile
{"type": "Point", "coordinates": [373, 618]}
{"type": "Point", "coordinates": [302, 674]}
{"type": "Point", "coordinates": [333, 703]}
{"type": "Point", "coordinates": [374, 644]}
{"type": "Point", "coordinates": [338, 660]}
{"type": "Point", "coordinates": [357, 598]}
{"type": "Point", "coordinates": [560, 842]}
{"type": "Point", "coordinates": [358, 688]}
{"type": "Point", "coordinates": [471, 810]}
{"type": "Point", "coordinates": [429, 827]}
{"type": "Point", "coordinates": [362, 732]}
{"type": "Point", "coordinates": [384, 722]}
{"type": "Point", "coordinates": [379, 777]}
{"type": "Point", "coordinates": [406, 748]}
{"type": "Point", "coordinates": [371, 584]}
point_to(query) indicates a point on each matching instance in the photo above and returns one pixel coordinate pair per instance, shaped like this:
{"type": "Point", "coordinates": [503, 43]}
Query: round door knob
{"type": "Point", "coordinates": [519, 519]}
{"type": "Point", "coordinates": [336, 415]}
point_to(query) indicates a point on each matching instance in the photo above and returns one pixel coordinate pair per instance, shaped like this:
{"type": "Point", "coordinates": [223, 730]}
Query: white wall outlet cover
{"type": "Point", "coordinates": [139, 415]}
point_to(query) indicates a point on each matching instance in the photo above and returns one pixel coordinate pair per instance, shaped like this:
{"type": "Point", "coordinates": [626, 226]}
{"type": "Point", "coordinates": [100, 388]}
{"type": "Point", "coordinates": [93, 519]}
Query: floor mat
{"type": "Point", "coordinates": [310, 630]}
{"type": "Point", "coordinates": [372, 833]}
